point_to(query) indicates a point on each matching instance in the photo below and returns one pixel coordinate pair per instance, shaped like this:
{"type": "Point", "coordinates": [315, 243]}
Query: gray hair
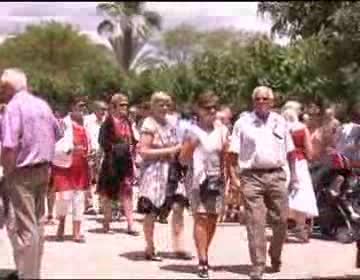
{"type": "Point", "coordinates": [98, 105]}
{"type": "Point", "coordinates": [290, 115]}
{"type": "Point", "coordinates": [296, 106]}
{"type": "Point", "coordinates": [268, 91]}
{"type": "Point", "coordinates": [15, 77]}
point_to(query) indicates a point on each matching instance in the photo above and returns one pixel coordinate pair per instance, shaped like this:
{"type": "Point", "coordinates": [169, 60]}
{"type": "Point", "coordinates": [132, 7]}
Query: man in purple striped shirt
{"type": "Point", "coordinates": [29, 133]}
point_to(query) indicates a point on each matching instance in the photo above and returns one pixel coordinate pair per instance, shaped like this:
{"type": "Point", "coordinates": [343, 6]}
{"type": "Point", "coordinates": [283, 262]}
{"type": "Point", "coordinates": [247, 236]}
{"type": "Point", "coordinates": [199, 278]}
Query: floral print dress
{"type": "Point", "coordinates": [154, 173]}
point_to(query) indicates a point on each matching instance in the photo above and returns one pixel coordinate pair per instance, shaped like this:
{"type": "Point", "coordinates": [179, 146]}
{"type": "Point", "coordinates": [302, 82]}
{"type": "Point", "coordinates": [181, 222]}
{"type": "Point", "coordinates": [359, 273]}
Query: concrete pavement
{"type": "Point", "coordinates": [120, 256]}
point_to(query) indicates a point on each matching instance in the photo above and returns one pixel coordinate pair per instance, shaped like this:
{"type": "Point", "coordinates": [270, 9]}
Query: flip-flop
{"type": "Point", "coordinates": [82, 240]}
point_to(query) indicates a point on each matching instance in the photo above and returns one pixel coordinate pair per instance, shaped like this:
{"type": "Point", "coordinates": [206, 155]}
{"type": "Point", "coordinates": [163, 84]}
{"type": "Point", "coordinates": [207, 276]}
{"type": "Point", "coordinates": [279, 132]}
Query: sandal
{"type": "Point", "coordinates": [155, 257]}
{"type": "Point", "coordinates": [81, 240]}
{"type": "Point", "coordinates": [203, 270]}
{"type": "Point", "coordinates": [302, 234]}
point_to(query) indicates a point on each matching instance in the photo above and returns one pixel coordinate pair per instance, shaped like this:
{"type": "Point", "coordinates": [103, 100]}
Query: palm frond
{"type": "Point", "coordinates": [153, 19]}
{"type": "Point", "coordinates": [106, 26]}
{"type": "Point", "coordinates": [133, 7]}
{"type": "Point", "coordinates": [113, 9]}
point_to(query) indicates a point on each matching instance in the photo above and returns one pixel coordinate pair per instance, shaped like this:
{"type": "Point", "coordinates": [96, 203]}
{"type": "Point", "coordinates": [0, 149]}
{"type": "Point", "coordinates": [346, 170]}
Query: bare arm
{"type": "Point", "coordinates": [234, 178]}
{"type": "Point", "coordinates": [187, 150]}
{"type": "Point", "coordinates": [308, 145]}
{"type": "Point", "coordinates": [147, 152]}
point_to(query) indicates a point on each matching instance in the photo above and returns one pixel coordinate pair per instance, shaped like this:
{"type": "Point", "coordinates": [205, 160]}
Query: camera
{"type": "Point", "coordinates": [212, 186]}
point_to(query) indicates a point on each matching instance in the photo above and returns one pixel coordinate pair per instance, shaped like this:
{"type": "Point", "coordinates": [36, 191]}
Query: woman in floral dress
{"type": "Point", "coordinates": [158, 147]}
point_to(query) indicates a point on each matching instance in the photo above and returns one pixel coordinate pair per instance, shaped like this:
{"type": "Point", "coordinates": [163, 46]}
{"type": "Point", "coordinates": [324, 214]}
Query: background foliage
{"type": "Point", "coordinates": [321, 61]}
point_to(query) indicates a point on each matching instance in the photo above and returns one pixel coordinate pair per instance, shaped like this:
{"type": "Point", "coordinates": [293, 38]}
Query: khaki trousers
{"type": "Point", "coordinates": [27, 190]}
{"type": "Point", "coordinates": [265, 192]}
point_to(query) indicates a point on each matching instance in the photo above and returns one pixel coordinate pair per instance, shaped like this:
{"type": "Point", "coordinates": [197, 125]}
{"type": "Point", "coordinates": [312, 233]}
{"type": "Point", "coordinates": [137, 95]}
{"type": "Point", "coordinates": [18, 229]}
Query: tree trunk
{"type": "Point", "coordinates": [127, 48]}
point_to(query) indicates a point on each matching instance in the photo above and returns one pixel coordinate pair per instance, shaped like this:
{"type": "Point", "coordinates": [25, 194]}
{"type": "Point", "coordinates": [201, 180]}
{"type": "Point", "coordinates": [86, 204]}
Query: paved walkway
{"type": "Point", "coordinates": [119, 256]}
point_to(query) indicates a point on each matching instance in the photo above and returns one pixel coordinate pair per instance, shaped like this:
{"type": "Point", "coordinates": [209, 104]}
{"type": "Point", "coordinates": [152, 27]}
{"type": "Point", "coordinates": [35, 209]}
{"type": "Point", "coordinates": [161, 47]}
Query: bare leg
{"type": "Point", "coordinates": [61, 228]}
{"type": "Point", "coordinates": [149, 227]}
{"type": "Point", "coordinates": [106, 205]}
{"type": "Point", "coordinates": [127, 203]}
{"type": "Point", "coordinates": [212, 222]}
{"type": "Point", "coordinates": [201, 235]}
{"type": "Point", "coordinates": [177, 228]}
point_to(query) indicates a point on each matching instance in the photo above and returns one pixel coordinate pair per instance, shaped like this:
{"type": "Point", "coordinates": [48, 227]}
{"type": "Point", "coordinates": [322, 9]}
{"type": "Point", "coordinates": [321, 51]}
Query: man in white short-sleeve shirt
{"type": "Point", "coordinates": [261, 143]}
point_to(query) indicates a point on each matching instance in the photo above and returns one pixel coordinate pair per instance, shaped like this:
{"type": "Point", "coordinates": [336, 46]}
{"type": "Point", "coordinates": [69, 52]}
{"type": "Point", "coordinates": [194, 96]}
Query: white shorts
{"type": "Point", "coordinates": [75, 198]}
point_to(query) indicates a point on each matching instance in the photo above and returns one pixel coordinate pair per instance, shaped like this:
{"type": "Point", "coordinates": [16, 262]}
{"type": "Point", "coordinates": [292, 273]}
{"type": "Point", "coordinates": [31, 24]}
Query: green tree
{"type": "Point", "coordinates": [128, 29]}
{"type": "Point", "coordinates": [59, 61]}
{"type": "Point", "coordinates": [335, 25]}
{"type": "Point", "coordinates": [180, 44]}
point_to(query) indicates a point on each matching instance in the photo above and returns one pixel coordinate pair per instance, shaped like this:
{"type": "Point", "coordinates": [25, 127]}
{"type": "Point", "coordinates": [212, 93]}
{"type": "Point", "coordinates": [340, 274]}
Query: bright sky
{"type": "Point", "coordinates": [14, 16]}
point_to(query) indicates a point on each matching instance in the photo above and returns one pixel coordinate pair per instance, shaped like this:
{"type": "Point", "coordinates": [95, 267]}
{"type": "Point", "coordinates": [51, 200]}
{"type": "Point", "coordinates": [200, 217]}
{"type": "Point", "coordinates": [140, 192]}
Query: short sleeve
{"type": "Point", "coordinates": [11, 127]}
{"type": "Point", "coordinates": [148, 127]}
{"type": "Point", "coordinates": [235, 139]}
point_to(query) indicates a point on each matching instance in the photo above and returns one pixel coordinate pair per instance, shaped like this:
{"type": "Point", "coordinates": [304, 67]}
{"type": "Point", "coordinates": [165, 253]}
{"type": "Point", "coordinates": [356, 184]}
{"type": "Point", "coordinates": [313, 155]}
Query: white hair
{"type": "Point", "coordinates": [290, 115]}
{"type": "Point", "coordinates": [268, 91]}
{"type": "Point", "coordinates": [15, 77]}
{"type": "Point", "coordinates": [296, 106]}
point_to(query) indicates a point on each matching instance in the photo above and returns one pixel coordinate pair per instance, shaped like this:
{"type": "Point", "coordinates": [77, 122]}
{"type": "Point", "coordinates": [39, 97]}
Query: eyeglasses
{"type": "Point", "coordinates": [262, 99]}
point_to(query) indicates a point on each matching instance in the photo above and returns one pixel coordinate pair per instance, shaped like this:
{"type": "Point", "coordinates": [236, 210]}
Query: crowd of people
{"type": "Point", "coordinates": [194, 159]}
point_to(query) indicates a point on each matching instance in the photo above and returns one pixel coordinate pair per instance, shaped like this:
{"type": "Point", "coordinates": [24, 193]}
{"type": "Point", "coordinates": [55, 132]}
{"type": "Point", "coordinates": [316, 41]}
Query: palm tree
{"type": "Point", "coordinates": [128, 28]}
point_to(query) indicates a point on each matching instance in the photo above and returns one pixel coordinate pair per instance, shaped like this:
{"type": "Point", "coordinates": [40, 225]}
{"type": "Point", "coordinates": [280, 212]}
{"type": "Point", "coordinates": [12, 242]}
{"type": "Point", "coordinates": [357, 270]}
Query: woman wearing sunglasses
{"type": "Point", "coordinates": [117, 140]}
{"type": "Point", "coordinates": [203, 151]}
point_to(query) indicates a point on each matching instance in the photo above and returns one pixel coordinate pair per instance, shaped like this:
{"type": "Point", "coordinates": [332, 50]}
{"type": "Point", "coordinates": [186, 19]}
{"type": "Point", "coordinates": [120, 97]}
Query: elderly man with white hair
{"type": "Point", "coordinates": [29, 133]}
{"type": "Point", "coordinates": [261, 143]}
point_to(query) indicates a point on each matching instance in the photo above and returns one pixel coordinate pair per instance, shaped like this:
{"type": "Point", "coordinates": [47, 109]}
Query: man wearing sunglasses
{"type": "Point", "coordinates": [92, 124]}
{"type": "Point", "coordinates": [260, 144]}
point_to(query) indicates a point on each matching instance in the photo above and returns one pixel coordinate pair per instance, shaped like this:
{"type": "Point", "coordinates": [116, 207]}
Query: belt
{"type": "Point", "coordinates": [36, 165]}
{"type": "Point", "coordinates": [265, 170]}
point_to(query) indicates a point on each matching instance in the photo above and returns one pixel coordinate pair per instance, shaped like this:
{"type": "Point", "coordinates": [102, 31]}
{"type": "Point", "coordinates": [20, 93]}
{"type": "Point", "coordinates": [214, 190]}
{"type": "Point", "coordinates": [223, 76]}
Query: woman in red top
{"type": "Point", "coordinates": [302, 201]}
{"type": "Point", "coordinates": [71, 183]}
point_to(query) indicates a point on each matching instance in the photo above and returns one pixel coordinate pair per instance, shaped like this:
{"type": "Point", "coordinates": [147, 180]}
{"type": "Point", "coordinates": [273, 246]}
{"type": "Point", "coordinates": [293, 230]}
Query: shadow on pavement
{"type": "Point", "coordinates": [52, 238]}
{"type": "Point", "coordinates": [4, 273]}
{"type": "Point", "coordinates": [192, 269]}
{"type": "Point", "coordinates": [356, 277]}
{"type": "Point", "coordinates": [136, 256]}
{"type": "Point", "coordinates": [100, 231]}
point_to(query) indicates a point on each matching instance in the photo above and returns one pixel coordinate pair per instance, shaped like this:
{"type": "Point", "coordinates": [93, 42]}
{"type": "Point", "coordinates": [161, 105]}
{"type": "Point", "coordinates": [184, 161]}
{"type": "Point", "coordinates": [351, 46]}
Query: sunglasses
{"type": "Point", "coordinates": [122, 105]}
{"type": "Point", "coordinates": [210, 107]}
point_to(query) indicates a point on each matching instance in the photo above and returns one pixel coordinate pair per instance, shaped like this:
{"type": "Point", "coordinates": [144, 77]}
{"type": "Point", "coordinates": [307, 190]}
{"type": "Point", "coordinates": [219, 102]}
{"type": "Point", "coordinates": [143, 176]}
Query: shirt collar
{"type": "Point", "coordinates": [258, 120]}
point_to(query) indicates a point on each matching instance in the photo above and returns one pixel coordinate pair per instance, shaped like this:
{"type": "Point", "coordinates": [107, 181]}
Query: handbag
{"type": "Point", "coordinates": [63, 147]}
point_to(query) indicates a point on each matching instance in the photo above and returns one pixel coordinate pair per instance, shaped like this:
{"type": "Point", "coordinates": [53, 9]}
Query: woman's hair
{"type": "Point", "coordinates": [159, 96]}
{"type": "Point", "coordinates": [295, 105]}
{"type": "Point", "coordinates": [117, 97]}
{"type": "Point", "coordinates": [290, 115]}
{"type": "Point", "coordinates": [205, 97]}
{"type": "Point", "coordinates": [75, 99]}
